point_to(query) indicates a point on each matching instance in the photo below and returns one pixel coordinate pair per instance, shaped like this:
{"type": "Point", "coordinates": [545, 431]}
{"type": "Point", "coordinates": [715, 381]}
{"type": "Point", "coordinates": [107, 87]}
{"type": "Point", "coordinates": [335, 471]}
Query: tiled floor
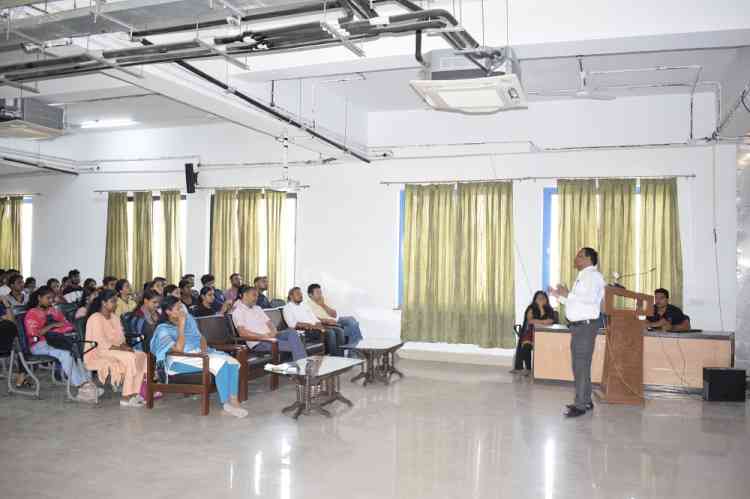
{"type": "Point", "coordinates": [445, 431]}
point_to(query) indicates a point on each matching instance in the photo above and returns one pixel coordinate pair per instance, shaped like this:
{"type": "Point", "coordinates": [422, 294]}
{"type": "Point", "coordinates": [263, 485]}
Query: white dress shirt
{"type": "Point", "coordinates": [584, 301]}
{"type": "Point", "coordinates": [294, 313]}
{"type": "Point", "coordinates": [253, 319]}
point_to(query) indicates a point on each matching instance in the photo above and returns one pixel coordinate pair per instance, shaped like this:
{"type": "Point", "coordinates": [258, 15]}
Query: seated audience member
{"type": "Point", "coordinates": [172, 290]}
{"type": "Point", "coordinates": [538, 313]}
{"type": "Point", "coordinates": [109, 282]}
{"type": "Point", "coordinates": [4, 288]}
{"type": "Point", "coordinates": [125, 302]}
{"type": "Point", "coordinates": [83, 305]}
{"type": "Point", "coordinates": [17, 296]}
{"type": "Point", "coordinates": [206, 301]}
{"type": "Point", "coordinates": [329, 316]}
{"type": "Point", "coordinates": [72, 291]}
{"type": "Point", "coordinates": [261, 284]}
{"type": "Point", "coordinates": [186, 295]}
{"type": "Point", "coordinates": [113, 358]}
{"type": "Point", "coordinates": [89, 284]}
{"type": "Point", "coordinates": [231, 293]}
{"type": "Point", "coordinates": [8, 329]}
{"type": "Point", "coordinates": [297, 315]}
{"type": "Point", "coordinates": [30, 285]}
{"type": "Point", "coordinates": [148, 309]}
{"type": "Point", "coordinates": [177, 332]}
{"type": "Point", "coordinates": [4, 281]}
{"type": "Point", "coordinates": [159, 283]}
{"type": "Point", "coordinates": [43, 318]}
{"type": "Point", "coordinates": [667, 316]}
{"type": "Point", "coordinates": [208, 280]}
{"type": "Point", "coordinates": [252, 323]}
{"type": "Point", "coordinates": [191, 278]}
{"type": "Point", "coordinates": [54, 285]}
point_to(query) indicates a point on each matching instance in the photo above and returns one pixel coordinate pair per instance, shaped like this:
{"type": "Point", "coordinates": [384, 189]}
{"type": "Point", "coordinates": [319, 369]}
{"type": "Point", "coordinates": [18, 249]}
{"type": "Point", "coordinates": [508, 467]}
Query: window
{"type": "Point", "coordinates": [27, 216]}
{"type": "Point", "coordinates": [550, 239]}
{"type": "Point", "coordinates": [288, 238]}
{"type": "Point", "coordinates": [157, 235]}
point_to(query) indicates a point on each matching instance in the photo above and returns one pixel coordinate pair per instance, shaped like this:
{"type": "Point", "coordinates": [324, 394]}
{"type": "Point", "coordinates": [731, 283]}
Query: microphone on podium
{"type": "Point", "coordinates": [617, 277]}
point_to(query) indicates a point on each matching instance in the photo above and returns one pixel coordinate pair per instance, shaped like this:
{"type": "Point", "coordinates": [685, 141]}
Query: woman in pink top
{"type": "Point", "coordinates": [43, 318]}
{"type": "Point", "coordinates": [113, 358]}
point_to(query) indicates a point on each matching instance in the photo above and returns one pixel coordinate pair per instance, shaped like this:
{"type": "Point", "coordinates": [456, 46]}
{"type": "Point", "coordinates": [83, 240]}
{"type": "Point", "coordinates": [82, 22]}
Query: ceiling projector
{"type": "Point", "coordinates": [455, 84]}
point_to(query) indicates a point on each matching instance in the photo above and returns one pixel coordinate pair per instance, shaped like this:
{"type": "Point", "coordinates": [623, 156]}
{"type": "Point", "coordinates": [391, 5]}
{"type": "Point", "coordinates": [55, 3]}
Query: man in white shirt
{"type": "Point", "coordinates": [298, 315]}
{"type": "Point", "coordinates": [582, 308]}
{"type": "Point", "coordinates": [254, 326]}
{"type": "Point", "coordinates": [329, 317]}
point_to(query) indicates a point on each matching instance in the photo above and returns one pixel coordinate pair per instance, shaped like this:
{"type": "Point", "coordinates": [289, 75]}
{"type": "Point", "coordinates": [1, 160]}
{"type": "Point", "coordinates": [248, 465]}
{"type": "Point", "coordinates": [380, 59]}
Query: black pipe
{"type": "Point", "coordinates": [263, 107]}
{"type": "Point", "coordinates": [37, 165]}
{"type": "Point", "coordinates": [289, 11]}
{"type": "Point", "coordinates": [418, 47]}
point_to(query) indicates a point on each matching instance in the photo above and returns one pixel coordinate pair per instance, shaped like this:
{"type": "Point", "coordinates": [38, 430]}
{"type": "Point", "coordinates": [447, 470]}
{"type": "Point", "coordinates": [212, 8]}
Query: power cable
{"type": "Point", "coordinates": [742, 100]}
{"type": "Point", "coordinates": [484, 43]}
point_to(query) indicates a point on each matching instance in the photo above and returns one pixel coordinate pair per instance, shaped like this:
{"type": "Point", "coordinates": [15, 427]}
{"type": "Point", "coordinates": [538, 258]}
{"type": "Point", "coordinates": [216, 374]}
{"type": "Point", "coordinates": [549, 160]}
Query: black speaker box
{"type": "Point", "coordinates": [191, 178]}
{"type": "Point", "coordinates": [723, 384]}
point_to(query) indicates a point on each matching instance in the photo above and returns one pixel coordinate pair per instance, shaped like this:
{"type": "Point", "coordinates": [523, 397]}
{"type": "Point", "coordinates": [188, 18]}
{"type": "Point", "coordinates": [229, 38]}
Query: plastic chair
{"type": "Point", "coordinates": [28, 361]}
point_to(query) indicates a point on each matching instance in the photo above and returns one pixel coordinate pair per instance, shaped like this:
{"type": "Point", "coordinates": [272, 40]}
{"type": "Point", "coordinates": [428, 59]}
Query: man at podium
{"type": "Point", "coordinates": [582, 308]}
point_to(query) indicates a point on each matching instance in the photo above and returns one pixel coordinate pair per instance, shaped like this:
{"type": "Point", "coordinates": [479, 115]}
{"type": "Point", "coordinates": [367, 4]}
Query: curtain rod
{"type": "Point", "coordinates": [226, 188]}
{"type": "Point", "coordinates": [15, 194]}
{"type": "Point", "coordinates": [520, 179]}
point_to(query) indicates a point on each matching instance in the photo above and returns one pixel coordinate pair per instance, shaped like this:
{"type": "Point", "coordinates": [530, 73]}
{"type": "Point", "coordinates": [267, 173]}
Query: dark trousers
{"type": "Point", "coordinates": [523, 356]}
{"type": "Point", "coordinates": [333, 337]}
{"type": "Point", "coordinates": [582, 341]}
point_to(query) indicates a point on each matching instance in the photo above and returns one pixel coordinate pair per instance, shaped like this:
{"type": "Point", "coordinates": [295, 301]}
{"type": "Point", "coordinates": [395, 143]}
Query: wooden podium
{"type": "Point", "coordinates": [622, 378]}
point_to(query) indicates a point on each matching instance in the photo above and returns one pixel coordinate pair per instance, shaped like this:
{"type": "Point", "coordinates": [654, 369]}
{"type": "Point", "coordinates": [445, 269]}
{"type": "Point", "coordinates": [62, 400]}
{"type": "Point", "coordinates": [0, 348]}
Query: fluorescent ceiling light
{"type": "Point", "coordinates": [473, 95]}
{"type": "Point", "coordinates": [108, 123]}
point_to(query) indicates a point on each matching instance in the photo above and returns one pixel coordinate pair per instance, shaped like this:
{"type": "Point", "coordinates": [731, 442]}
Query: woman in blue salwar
{"type": "Point", "coordinates": [178, 332]}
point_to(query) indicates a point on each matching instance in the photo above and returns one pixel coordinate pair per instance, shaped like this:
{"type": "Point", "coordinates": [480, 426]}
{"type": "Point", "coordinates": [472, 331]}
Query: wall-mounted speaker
{"type": "Point", "coordinates": [191, 178]}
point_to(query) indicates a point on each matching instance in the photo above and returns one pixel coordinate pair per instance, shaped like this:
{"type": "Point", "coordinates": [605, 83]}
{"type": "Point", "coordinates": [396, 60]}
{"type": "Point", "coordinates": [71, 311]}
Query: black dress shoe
{"type": "Point", "coordinates": [589, 406]}
{"type": "Point", "coordinates": [574, 412]}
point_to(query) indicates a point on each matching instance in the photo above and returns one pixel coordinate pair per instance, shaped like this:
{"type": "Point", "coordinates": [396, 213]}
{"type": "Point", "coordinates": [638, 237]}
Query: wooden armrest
{"type": "Point", "coordinates": [229, 347]}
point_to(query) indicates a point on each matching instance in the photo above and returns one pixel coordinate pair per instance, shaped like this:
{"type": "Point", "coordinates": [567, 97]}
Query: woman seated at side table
{"type": "Point", "coordinates": [538, 313]}
{"type": "Point", "coordinates": [113, 358]}
{"type": "Point", "coordinates": [178, 332]}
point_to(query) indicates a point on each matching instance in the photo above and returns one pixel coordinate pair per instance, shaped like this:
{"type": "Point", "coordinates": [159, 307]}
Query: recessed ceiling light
{"type": "Point", "coordinates": [108, 123]}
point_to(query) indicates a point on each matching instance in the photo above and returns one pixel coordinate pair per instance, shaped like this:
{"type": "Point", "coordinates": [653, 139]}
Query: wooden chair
{"type": "Point", "coordinates": [256, 361]}
{"type": "Point", "coordinates": [314, 343]}
{"type": "Point", "coordinates": [219, 336]}
{"type": "Point", "coordinates": [196, 383]}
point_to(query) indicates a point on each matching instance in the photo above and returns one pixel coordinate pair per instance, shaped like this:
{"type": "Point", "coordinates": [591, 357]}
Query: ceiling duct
{"type": "Point", "coordinates": [30, 119]}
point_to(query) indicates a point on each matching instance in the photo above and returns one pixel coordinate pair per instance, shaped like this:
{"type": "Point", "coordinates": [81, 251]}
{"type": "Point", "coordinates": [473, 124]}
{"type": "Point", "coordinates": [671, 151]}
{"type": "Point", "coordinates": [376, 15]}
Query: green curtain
{"type": "Point", "coordinates": [428, 308]}
{"type": "Point", "coordinates": [224, 235]}
{"type": "Point", "coordinates": [458, 264]}
{"type": "Point", "coordinates": [660, 245]}
{"type": "Point", "coordinates": [617, 230]}
{"type": "Point", "coordinates": [143, 269]}
{"type": "Point", "coordinates": [10, 232]}
{"type": "Point", "coordinates": [172, 258]}
{"type": "Point", "coordinates": [116, 252]}
{"type": "Point", "coordinates": [248, 204]}
{"type": "Point", "coordinates": [485, 267]}
{"type": "Point", "coordinates": [578, 225]}
{"type": "Point", "coordinates": [274, 212]}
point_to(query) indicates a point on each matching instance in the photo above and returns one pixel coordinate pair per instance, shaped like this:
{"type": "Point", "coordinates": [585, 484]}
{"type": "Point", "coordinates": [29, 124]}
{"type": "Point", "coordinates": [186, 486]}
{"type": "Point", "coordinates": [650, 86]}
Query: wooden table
{"type": "Point", "coordinates": [670, 360]}
{"type": "Point", "coordinates": [319, 387]}
{"type": "Point", "coordinates": [380, 360]}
